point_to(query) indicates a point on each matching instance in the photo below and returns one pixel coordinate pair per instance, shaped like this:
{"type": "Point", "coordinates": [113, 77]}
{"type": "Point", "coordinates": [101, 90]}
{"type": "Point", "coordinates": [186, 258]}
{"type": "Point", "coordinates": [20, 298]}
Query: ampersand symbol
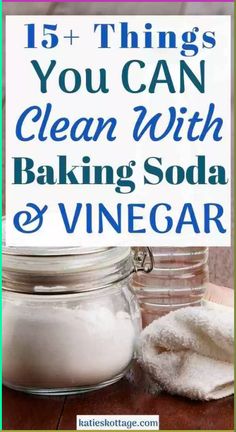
{"type": "Point", "coordinates": [24, 218]}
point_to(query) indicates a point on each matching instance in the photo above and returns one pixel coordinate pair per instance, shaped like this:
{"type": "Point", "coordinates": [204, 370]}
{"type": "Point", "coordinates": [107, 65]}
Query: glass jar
{"type": "Point", "coordinates": [70, 321]}
{"type": "Point", "coordinates": [178, 279]}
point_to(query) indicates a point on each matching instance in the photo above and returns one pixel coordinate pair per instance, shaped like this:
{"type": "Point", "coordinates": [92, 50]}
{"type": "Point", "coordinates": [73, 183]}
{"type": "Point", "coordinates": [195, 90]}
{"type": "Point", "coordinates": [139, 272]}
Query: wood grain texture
{"type": "Point", "coordinates": [175, 412]}
{"type": "Point", "coordinates": [24, 412]}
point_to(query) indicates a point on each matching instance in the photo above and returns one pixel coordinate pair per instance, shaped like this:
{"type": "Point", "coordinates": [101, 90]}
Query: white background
{"type": "Point", "coordinates": [23, 91]}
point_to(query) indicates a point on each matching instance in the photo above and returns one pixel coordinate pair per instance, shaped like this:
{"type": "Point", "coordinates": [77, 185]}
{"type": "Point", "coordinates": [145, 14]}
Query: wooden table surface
{"type": "Point", "coordinates": [26, 412]}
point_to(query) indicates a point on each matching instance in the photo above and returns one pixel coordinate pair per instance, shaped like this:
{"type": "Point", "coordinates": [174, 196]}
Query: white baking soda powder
{"type": "Point", "coordinates": [54, 345]}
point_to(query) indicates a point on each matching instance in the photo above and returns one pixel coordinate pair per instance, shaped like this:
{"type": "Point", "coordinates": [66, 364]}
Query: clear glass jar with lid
{"type": "Point", "coordinates": [178, 279]}
{"type": "Point", "coordinates": [70, 321]}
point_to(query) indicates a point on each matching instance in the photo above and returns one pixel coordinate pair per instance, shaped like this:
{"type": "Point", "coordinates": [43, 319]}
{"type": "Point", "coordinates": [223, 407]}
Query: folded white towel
{"type": "Point", "coordinates": [190, 352]}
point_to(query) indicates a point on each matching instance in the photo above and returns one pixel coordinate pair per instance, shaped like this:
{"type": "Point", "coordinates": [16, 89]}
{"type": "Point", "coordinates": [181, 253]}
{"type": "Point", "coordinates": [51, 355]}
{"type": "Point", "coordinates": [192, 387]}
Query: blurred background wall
{"type": "Point", "coordinates": [221, 259]}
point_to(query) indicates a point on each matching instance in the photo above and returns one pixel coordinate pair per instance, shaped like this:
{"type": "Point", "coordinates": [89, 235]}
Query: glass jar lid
{"type": "Point", "coordinates": [44, 251]}
{"type": "Point", "coordinates": [63, 269]}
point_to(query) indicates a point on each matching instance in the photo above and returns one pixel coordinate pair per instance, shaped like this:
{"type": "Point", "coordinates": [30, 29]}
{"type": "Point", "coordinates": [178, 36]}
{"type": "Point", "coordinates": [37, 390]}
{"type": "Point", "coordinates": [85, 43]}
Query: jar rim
{"type": "Point", "coordinates": [80, 257]}
{"type": "Point", "coordinates": [46, 251]}
{"type": "Point", "coordinates": [54, 295]}
{"type": "Point", "coordinates": [68, 273]}
{"type": "Point", "coordinates": [63, 269]}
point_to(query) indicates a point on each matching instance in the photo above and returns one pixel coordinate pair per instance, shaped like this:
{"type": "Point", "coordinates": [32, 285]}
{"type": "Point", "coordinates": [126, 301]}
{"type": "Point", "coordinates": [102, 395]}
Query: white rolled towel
{"type": "Point", "coordinates": [190, 352]}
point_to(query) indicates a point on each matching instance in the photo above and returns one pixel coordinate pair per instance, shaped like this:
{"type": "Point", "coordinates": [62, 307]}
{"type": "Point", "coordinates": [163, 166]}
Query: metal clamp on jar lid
{"type": "Point", "coordinates": [143, 259]}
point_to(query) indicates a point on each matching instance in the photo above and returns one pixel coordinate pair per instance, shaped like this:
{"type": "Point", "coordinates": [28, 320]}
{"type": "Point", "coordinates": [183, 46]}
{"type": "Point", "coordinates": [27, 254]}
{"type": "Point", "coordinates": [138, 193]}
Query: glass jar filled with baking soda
{"type": "Point", "coordinates": [70, 320]}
